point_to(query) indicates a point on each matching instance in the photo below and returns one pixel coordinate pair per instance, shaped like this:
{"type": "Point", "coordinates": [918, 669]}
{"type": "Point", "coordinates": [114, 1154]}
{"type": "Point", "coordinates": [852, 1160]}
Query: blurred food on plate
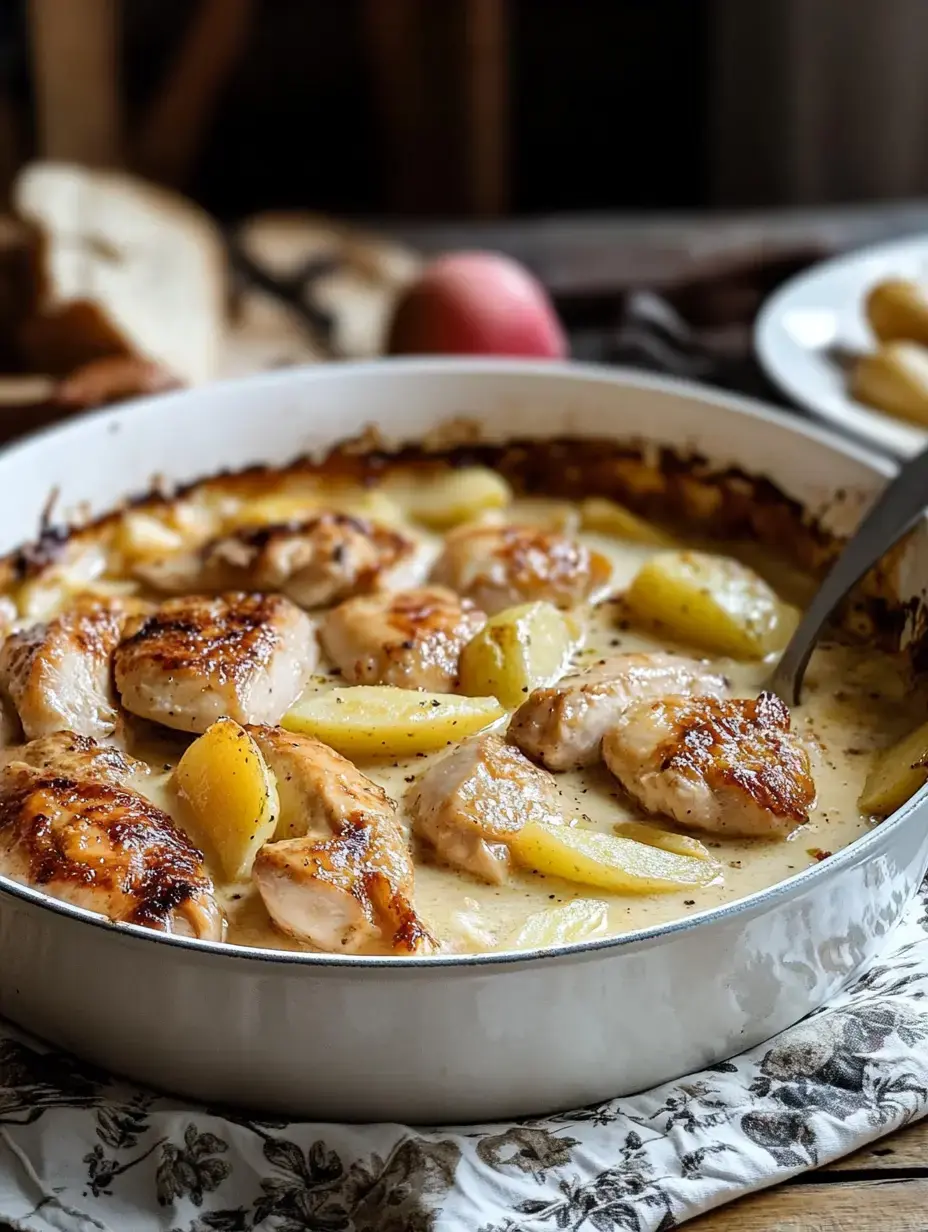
{"type": "Point", "coordinates": [894, 377]}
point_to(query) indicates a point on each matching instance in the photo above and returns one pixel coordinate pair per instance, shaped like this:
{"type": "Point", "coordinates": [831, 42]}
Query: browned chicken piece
{"type": "Point", "coordinates": [104, 848]}
{"type": "Point", "coordinates": [501, 566]}
{"type": "Point", "coordinates": [344, 892]}
{"type": "Point", "coordinates": [79, 757]}
{"type": "Point", "coordinates": [466, 807]}
{"type": "Point", "coordinates": [58, 675]}
{"type": "Point", "coordinates": [196, 659]}
{"type": "Point", "coordinates": [346, 879]}
{"type": "Point", "coordinates": [412, 639]}
{"type": "Point", "coordinates": [729, 767]}
{"type": "Point", "coordinates": [315, 563]}
{"type": "Point", "coordinates": [319, 789]}
{"type": "Point", "coordinates": [563, 726]}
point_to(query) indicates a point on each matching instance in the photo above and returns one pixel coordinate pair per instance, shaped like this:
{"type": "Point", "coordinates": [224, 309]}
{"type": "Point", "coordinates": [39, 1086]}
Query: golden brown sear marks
{"type": "Point", "coordinates": [72, 755]}
{"type": "Point", "coordinates": [563, 726]}
{"type": "Point", "coordinates": [501, 566]}
{"type": "Point", "coordinates": [102, 847]}
{"type": "Point", "coordinates": [730, 767]}
{"type": "Point", "coordinates": [411, 639]}
{"type": "Point", "coordinates": [467, 806]}
{"type": "Point", "coordinates": [315, 562]}
{"type": "Point", "coordinates": [58, 675]}
{"type": "Point", "coordinates": [343, 893]}
{"type": "Point", "coordinates": [196, 659]}
{"type": "Point", "coordinates": [346, 879]}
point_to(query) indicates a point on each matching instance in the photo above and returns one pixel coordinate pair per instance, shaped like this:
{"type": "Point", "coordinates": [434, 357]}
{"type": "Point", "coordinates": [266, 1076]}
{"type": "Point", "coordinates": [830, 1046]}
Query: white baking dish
{"type": "Point", "coordinates": [449, 1038]}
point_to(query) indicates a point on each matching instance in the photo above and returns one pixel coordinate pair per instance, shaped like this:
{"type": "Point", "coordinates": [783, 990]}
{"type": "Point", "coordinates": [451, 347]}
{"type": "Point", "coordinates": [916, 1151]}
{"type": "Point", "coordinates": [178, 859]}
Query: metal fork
{"type": "Point", "coordinates": [898, 507]}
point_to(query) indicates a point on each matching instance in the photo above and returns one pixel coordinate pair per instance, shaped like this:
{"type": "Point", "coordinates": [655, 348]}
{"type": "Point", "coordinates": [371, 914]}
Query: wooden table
{"type": "Point", "coordinates": [884, 1186]}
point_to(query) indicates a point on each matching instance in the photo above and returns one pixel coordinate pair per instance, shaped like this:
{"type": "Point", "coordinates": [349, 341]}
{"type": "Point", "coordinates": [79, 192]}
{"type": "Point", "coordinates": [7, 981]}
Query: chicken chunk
{"type": "Point", "coordinates": [71, 755]}
{"type": "Point", "coordinates": [315, 563]}
{"type": "Point", "coordinates": [99, 846]}
{"type": "Point", "coordinates": [58, 675]}
{"type": "Point", "coordinates": [319, 790]}
{"type": "Point", "coordinates": [196, 659]}
{"type": "Point", "coordinates": [344, 892]}
{"type": "Point", "coordinates": [412, 639]}
{"type": "Point", "coordinates": [729, 767]}
{"type": "Point", "coordinates": [563, 726]}
{"type": "Point", "coordinates": [346, 879]}
{"type": "Point", "coordinates": [467, 806]}
{"type": "Point", "coordinates": [501, 566]}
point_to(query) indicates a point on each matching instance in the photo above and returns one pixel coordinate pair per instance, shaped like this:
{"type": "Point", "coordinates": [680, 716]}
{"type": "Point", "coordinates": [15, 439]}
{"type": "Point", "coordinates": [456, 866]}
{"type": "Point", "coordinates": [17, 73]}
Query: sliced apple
{"type": "Point", "coordinates": [230, 794]}
{"type": "Point", "coordinates": [608, 862]}
{"type": "Point", "coordinates": [610, 518]}
{"type": "Point", "coordinates": [383, 721]}
{"type": "Point", "coordinates": [581, 920]}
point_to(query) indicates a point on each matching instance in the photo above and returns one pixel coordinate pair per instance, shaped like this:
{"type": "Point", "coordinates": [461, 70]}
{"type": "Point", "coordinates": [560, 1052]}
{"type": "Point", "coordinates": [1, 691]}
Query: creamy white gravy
{"type": "Point", "coordinates": [850, 709]}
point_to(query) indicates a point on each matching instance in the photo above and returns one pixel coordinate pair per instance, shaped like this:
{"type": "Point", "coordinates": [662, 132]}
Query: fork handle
{"type": "Point", "coordinates": [896, 510]}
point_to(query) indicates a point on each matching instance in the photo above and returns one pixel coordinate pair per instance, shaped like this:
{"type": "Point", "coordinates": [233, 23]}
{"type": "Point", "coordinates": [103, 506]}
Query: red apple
{"type": "Point", "coordinates": [476, 303]}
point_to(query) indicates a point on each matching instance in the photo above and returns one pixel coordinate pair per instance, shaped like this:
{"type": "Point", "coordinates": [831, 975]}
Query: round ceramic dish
{"type": "Point", "coordinates": [463, 1037]}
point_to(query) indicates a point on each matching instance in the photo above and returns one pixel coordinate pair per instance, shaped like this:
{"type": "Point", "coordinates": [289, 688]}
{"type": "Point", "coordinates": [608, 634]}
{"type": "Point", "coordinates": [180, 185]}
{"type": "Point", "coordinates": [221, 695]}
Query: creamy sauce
{"type": "Point", "coordinates": [850, 708]}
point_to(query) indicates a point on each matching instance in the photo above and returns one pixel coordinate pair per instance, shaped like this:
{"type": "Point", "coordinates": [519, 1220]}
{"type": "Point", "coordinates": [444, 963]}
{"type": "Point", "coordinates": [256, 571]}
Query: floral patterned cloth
{"type": "Point", "coordinates": [79, 1151]}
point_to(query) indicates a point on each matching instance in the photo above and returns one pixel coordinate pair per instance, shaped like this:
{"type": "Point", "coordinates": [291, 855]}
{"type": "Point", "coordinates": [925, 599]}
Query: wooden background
{"type": "Point", "coordinates": [463, 107]}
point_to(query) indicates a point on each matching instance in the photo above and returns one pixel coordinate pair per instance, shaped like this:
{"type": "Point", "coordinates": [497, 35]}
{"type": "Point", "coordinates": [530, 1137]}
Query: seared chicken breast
{"type": "Point", "coordinates": [71, 755]}
{"type": "Point", "coordinates": [501, 566]}
{"type": "Point", "coordinates": [319, 789]}
{"type": "Point", "coordinates": [196, 659]}
{"type": "Point", "coordinates": [343, 892]}
{"type": "Point", "coordinates": [466, 807]}
{"type": "Point", "coordinates": [563, 726]}
{"type": "Point", "coordinates": [412, 639]}
{"type": "Point", "coordinates": [347, 879]}
{"type": "Point", "coordinates": [316, 562]}
{"type": "Point", "coordinates": [728, 767]}
{"type": "Point", "coordinates": [100, 846]}
{"type": "Point", "coordinates": [58, 675]}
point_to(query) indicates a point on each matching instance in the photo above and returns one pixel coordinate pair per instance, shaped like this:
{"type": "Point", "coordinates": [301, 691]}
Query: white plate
{"type": "Point", "coordinates": [821, 309]}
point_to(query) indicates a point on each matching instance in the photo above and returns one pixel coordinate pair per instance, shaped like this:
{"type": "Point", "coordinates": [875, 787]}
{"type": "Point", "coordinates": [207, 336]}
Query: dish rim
{"type": "Point", "coordinates": [622, 378]}
{"type": "Point", "coordinates": [870, 425]}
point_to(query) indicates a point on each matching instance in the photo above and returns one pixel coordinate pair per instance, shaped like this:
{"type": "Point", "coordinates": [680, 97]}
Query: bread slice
{"type": "Point", "coordinates": [130, 269]}
{"type": "Point", "coordinates": [357, 294]}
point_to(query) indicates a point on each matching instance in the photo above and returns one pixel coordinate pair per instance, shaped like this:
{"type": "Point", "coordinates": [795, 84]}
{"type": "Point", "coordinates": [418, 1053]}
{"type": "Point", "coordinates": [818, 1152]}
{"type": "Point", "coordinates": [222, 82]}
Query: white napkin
{"type": "Point", "coordinates": [81, 1152]}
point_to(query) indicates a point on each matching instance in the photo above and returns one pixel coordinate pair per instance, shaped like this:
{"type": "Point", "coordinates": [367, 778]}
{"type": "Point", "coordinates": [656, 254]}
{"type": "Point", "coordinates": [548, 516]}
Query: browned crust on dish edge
{"type": "Point", "coordinates": [657, 482]}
